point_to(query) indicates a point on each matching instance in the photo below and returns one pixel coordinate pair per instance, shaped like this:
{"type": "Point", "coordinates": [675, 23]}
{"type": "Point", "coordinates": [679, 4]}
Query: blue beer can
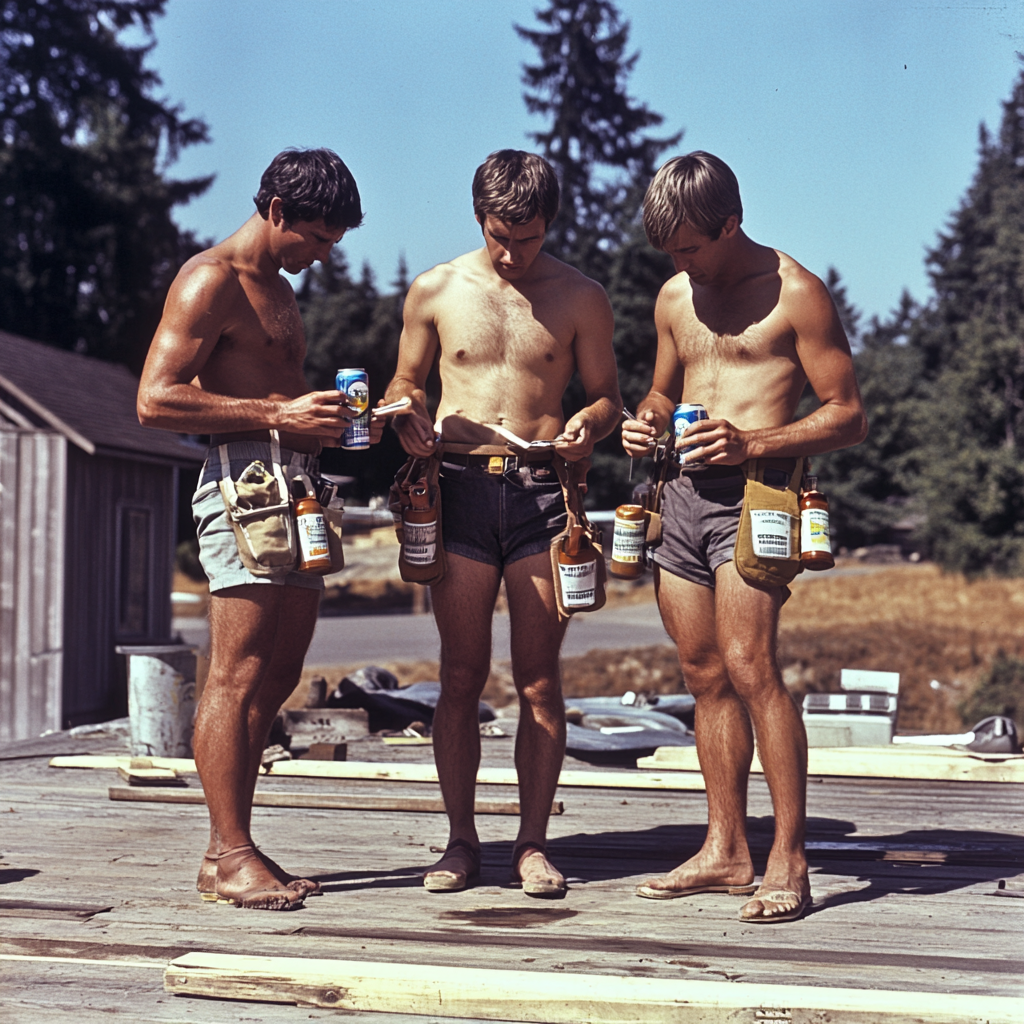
{"type": "Point", "coordinates": [683, 415]}
{"type": "Point", "coordinates": [353, 382]}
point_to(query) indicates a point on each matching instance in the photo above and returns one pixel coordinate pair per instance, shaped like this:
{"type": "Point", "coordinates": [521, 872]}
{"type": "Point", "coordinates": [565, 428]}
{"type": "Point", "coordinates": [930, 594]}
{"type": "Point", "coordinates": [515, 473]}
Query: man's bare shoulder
{"type": "Point", "coordinates": [209, 278]}
{"type": "Point", "coordinates": [676, 291]}
{"type": "Point", "coordinates": [433, 283]}
{"type": "Point", "coordinates": [799, 285]}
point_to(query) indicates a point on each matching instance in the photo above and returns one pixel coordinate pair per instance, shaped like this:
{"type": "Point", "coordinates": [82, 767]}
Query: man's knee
{"type": "Point", "coordinates": [462, 680]}
{"type": "Point", "coordinates": [751, 669]}
{"type": "Point", "coordinates": [704, 674]}
{"type": "Point", "coordinates": [540, 690]}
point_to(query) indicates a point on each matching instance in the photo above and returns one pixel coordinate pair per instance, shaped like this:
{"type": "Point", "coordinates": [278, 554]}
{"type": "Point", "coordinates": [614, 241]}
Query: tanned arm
{"type": "Point", "coordinates": [595, 362]}
{"type": "Point", "coordinates": [199, 308]}
{"type": "Point", "coordinates": [417, 349]}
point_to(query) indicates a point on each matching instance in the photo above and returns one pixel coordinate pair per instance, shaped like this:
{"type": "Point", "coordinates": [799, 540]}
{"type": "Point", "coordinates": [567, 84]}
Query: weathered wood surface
{"type": "Point", "coordinates": [936, 764]}
{"type": "Point", "coordinates": [902, 875]}
{"type": "Point", "coordinates": [559, 998]}
{"type": "Point", "coordinates": [325, 801]}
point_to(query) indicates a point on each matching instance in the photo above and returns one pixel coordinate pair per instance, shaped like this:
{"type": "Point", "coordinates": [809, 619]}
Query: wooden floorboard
{"type": "Point", "coordinates": [920, 925]}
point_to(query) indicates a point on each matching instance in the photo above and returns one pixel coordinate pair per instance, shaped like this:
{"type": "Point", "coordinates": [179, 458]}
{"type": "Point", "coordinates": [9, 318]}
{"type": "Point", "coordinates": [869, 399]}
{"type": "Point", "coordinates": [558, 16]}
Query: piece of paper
{"type": "Point", "coordinates": [518, 441]}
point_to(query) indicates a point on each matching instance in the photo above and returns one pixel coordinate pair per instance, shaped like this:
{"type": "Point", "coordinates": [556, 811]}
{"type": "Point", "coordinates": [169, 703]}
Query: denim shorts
{"type": "Point", "coordinates": [218, 550]}
{"type": "Point", "coordinates": [700, 517]}
{"type": "Point", "coordinates": [499, 518]}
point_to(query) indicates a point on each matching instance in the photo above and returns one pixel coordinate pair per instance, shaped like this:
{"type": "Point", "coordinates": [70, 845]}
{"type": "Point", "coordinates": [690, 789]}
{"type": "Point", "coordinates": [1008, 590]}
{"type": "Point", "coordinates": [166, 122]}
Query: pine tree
{"type": "Point", "coordinates": [970, 420]}
{"type": "Point", "coordinates": [87, 243]}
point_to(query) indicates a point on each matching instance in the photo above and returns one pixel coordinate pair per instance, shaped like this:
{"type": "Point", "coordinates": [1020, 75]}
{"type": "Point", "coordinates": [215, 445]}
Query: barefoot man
{"type": "Point", "coordinates": [510, 324]}
{"type": "Point", "coordinates": [741, 329]}
{"type": "Point", "coordinates": [227, 361]}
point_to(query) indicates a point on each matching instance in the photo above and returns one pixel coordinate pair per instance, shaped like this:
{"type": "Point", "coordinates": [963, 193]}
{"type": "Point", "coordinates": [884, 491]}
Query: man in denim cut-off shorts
{"type": "Point", "coordinates": [742, 328]}
{"type": "Point", "coordinates": [509, 324]}
{"type": "Point", "coordinates": [227, 361]}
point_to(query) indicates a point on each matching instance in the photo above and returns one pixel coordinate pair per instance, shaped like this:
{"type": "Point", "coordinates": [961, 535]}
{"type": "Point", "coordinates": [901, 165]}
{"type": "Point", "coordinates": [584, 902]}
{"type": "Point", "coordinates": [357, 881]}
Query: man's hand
{"type": "Point", "coordinates": [415, 430]}
{"type": "Point", "coordinates": [640, 436]}
{"type": "Point", "coordinates": [576, 441]}
{"type": "Point", "coordinates": [322, 413]}
{"type": "Point", "coordinates": [721, 444]}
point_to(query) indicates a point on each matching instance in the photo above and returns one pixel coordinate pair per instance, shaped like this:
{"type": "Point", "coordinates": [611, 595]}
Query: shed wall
{"type": "Point", "coordinates": [118, 508]}
{"type": "Point", "coordinates": [32, 536]}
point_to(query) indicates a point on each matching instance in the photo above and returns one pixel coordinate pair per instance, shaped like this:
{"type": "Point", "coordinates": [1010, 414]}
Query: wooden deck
{"type": "Point", "coordinates": [904, 877]}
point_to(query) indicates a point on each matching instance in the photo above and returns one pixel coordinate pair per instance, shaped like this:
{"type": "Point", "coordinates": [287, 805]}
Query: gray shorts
{"type": "Point", "coordinates": [700, 517]}
{"type": "Point", "coordinates": [499, 518]}
{"type": "Point", "coordinates": [218, 550]}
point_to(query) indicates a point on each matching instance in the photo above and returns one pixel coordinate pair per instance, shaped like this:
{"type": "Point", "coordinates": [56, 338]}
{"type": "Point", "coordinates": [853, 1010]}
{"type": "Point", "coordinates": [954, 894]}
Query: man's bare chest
{"type": "Point", "coordinates": [743, 342]}
{"type": "Point", "coordinates": [266, 325]}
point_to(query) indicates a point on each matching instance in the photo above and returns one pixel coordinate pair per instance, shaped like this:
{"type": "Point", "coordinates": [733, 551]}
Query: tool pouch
{"type": "Point", "coordinates": [651, 502]}
{"type": "Point", "coordinates": [259, 507]}
{"type": "Point", "coordinates": [574, 591]}
{"type": "Point", "coordinates": [421, 557]}
{"type": "Point", "coordinates": [768, 541]}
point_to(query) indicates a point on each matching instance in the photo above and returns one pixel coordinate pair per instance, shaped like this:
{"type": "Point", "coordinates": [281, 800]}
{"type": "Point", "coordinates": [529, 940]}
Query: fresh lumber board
{"type": "Point", "coordinates": [900, 762]}
{"type": "Point", "coordinates": [383, 771]}
{"type": "Point", "coordinates": [356, 802]}
{"type": "Point", "coordinates": [149, 776]}
{"type": "Point", "coordinates": [488, 994]}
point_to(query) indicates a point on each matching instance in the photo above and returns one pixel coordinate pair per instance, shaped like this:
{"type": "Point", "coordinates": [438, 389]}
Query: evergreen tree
{"type": "Point", "coordinates": [970, 420]}
{"type": "Point", "coordinates": [87, 243]}
{"type": "Point", "coordinates": [597, 142]}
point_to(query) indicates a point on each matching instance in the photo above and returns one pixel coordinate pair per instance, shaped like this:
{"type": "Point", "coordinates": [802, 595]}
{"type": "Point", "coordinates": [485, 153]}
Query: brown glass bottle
{"type": "Point", "coordinates": [628, 542]}
{"type": "Point", "coordinates": [314, 553]}
{"type": "Point", "coordinates": [419, 527]}
{"type": "Point", "coordinates": [577, 572]}
{"type": "Point", "coordinates": [815, 545]}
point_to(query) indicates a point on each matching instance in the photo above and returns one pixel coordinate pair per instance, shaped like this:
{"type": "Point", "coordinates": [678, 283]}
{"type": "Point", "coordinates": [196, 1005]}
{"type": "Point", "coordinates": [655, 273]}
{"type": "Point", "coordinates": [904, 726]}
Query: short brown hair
{"type": "Point", "coordinates": [311, 184]}
{"type": "Point", "coordinates": [697, 189]}
{"type": "Point", "coordinates": [515, 187]}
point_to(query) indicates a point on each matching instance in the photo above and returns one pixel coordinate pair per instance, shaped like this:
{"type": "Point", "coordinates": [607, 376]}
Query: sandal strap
{"type": "Point", "coordinates": [518, 851]}
{"type": "Point", "coordinates": [464, 844]}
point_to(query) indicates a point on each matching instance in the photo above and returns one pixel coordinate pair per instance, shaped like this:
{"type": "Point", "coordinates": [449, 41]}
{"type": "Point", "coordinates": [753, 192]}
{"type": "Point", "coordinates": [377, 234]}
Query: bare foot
{"type": "Point", "coordinates": [538, 875]}
{"type": "Point", "coordinates": [702, 873]}
{"type": "Point", "coordinates": [243, 879]}
{"type": "Point", "coordinates": [206, 883]}
{"type": "Point", "coordinates": [459, 867]}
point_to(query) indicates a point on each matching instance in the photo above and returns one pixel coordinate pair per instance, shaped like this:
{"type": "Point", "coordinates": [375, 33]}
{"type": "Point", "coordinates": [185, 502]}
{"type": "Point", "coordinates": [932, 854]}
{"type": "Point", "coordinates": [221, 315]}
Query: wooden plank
{"type": "Point", "coordinates": [356, 802]}
{"type": "Point", "coordinates": [149, 776]}
{"type": "Point", "coordinates": [383, 771]}
{"type": "Point", "coordinates": [899, 762]}
{"type": "Point", "coordinates": [563, 997]}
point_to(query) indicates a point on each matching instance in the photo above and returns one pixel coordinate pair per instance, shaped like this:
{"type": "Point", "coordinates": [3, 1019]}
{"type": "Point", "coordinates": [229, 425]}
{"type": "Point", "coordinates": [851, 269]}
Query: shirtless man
{"type": "Point", "coordinates": [511, 324]}
{"type": "Point", "coordinates": [227, 361]}
{"type": "Point", "coordinates": [741, 329]}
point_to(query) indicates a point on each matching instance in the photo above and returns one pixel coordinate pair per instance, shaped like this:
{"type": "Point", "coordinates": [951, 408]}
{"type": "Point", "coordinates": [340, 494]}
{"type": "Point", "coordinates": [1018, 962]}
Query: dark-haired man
{"type": "Point", "coordinates": [741, 329]}
{"type": "Point", "coordinates": [227, 361]}
{"type": "Point", "coordinates": [510, 324]}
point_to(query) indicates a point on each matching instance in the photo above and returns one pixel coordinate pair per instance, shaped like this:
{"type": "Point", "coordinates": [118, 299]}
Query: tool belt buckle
{"type": "Point", "coordinates": [496, 464]}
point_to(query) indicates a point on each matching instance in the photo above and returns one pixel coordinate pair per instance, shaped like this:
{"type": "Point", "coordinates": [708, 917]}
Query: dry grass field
{"type": "Point", "coordinates": [911, 619]}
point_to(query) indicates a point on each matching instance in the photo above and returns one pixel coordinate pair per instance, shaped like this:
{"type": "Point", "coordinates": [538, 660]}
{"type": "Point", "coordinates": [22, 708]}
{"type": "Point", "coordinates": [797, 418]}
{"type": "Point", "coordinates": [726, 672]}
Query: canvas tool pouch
{"type": "Point", "coordinates": [663, 463]}
{"type": "Point", "coordinates": [421, 557]}
{"type": "Point", "coordinates": [572, 476]}
{"type": "Point", "coordinates": [259, 507]}
{"type": "Point", "coordinates": [768, 541]}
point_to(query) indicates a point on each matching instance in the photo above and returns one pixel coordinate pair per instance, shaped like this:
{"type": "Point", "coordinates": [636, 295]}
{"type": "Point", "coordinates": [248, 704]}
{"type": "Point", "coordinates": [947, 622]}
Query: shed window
{"type": "Point", "coordinates": [133, 596]}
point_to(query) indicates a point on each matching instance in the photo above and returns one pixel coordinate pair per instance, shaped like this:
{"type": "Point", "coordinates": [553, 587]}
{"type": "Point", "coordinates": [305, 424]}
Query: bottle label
{"type": "Point", "coordinates": [628, 540]}
{"type": "Point", "coordinates": [420, 547]}
{"type": "Point", "coordinates": [814, 530]}
{"type": "Point", "coordinates": [772, 533]}
{"type": "Point", "coordinates": [579, 584]}
{"type": "Point", "coordinates": [312, 537]}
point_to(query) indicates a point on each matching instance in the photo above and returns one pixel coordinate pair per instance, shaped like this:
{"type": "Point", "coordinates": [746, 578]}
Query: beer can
{"type": "Point", "coordinates": [353, 382]}
{"type": "Point", "coordinates": [682, 417]}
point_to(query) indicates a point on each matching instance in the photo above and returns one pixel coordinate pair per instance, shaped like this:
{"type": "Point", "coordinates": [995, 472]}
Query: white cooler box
{"type": "Point", "coordinates": [863, 715]}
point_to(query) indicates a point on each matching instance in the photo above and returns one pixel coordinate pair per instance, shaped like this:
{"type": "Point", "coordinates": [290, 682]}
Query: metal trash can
{"type": "Point", "coordinates": [161, 699]}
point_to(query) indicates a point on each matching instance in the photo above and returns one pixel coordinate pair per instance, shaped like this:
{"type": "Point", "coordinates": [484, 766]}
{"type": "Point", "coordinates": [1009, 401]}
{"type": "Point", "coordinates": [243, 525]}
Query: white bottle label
{"type": "Point", "coordinates": [628, 540]}
{"type": "Point", "coordinates": [312, 537]}
{"type": "Point", "coordinates": [814, 530]}
{"type": "Point", "coordinates": [420, 542]}
{"type": "Point", "coordinates": [579, 584]}
{"type": "Point", "coordinates": [772, 533]}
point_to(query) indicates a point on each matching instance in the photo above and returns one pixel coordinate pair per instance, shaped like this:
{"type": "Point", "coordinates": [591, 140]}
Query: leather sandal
{"type": "Point", "coordinates": [544, 888]}
{"type": "Point", "coordinates": [256, 898]}
{"type": "Point", "coordinates": [444, 879]}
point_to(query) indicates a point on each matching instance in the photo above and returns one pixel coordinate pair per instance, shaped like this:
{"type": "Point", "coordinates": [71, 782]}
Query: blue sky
{"type": "Point", "coordinates": [852, 126]}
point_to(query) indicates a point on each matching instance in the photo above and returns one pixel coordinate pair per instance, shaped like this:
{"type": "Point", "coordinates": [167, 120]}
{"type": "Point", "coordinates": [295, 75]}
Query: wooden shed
{"type": "Point", "coordinates": [88, 513]}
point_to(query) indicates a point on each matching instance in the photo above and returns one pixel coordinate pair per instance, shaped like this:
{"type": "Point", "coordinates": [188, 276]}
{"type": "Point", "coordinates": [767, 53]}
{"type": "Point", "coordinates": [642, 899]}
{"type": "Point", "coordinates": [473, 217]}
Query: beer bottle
{"type": "Point", "coordinates": [314, 553]}
{"type": "Point", "coordinates": [815, 545]}
{"type": "Point", "coordinates": [577, 572]}
{"type": "Point", "coordinates": [419, 526]}
{"type": "Point", "coordinates": [628, 542]}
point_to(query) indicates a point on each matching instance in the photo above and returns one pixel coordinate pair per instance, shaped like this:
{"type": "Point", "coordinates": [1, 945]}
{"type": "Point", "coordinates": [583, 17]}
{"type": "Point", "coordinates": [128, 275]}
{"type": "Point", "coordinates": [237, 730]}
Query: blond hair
{"type": "Point", "coordinates": [697, 189]}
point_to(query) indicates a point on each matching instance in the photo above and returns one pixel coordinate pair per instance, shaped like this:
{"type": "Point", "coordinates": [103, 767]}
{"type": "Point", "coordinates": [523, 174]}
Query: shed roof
{"type": "Point", "coordinates": [89, 401]}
